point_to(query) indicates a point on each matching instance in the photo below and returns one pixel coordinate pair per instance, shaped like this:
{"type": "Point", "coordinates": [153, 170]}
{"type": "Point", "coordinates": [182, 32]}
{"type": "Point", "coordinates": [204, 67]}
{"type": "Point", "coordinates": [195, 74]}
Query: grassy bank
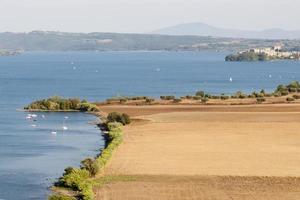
{"type": "Point", "coordinates": [77, 183]}
{"type": "Point", "coordinates": [81, 180]}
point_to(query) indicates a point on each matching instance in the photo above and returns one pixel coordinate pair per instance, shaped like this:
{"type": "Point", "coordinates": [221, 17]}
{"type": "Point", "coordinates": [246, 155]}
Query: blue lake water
{"type": "Point", "coordinates": [31, 158]}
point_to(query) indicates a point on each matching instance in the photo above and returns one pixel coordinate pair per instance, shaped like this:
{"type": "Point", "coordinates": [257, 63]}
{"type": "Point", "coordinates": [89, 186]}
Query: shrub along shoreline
{"type": "Point", "coordinates": [78, 182]}
{"type": "Point", "coordinates": [59, 104]}
{"type": "Point", "coordinates": [289, 92]}
{"type": "Point", "coordinates": [81, 180]}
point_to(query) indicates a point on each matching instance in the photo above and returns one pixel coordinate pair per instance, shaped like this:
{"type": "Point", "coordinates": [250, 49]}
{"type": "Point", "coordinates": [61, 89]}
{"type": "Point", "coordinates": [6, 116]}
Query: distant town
{"type": "Point", "coordinates": [276, 52]}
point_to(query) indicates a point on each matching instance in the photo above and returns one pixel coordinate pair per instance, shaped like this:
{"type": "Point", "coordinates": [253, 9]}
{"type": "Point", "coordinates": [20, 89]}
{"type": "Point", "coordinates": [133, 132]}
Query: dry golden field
{"type": "Point", "coordinates": [207, 152]}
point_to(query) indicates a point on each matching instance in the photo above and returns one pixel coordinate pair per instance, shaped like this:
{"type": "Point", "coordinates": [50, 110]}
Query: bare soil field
{"type": "Point", "coordinates": [201, 188]}
{"type": "Point", "coordinates": [200, 143]}
{"type": "Point", "coordinates": [208, 152]}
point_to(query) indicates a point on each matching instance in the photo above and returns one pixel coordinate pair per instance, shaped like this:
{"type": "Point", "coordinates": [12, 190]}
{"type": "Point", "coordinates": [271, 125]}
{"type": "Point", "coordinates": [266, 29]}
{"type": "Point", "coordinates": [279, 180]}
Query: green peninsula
{"type": "Point", "coordinates": [57, 103]}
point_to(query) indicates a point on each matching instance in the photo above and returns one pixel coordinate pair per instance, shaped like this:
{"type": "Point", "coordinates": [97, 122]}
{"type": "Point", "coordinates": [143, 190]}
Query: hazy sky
{"type": "Point", "coordinates": [145, 15]}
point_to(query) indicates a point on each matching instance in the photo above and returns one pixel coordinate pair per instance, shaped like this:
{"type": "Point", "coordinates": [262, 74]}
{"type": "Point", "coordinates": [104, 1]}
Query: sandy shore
{"type": "Point", "coordinates": [214, 152]}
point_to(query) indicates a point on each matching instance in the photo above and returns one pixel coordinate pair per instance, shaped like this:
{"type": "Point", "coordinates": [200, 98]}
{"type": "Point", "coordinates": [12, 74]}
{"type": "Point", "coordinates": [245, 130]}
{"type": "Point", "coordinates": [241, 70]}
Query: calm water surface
{"type": "Point", "coordinates": [31, 158]}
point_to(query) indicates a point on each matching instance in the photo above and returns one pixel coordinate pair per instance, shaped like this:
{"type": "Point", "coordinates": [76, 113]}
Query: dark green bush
{"type": "Point", "coordinates": [223, 97]}
{"type": "Point", "coordinates": [277, 94]}
{"type": "Point", "coordinates": [281, 88]}
{"type": "Point", "coordinates": [123, 101]}
{"type": "Point", "coordinates": [204, 100]}
{"type": "Point", "coordinates": [258, 94]}
{"type": "Point", "coordinates": [90, 165]}
{"type": "Point", "coordinates": [292, 90]}
{"type": "Point", "coordinates": [260, 100]}
{"type": "Point", "coordinates": [170, 97]}
{"type": "Point", "coordinates": [284, 90]}
{"type": "Point", "coordinates": [122, 118]}
{"type": "Point", "coordinates": [68, 170]}
{"type": "Point", "coordinates": [200, 93]}
{"type": "Point", "coordinates": [197, 97]}
{"type": "Point", "coordinates": [296, 96]}
{"type": "Point", "coordinates": [150, 100]}
{"type": "Point", "coordinates": [216, 97]}
{"type": "Point", "coordinates": [290, 99]}
{"type": "Point", "coordinates": [84, 101]}
{"type": "Point", "coordinates": [240, 95]}
{"type": "Point", "coordinates": [207, 96]}
{"type": "Point", "coordinates": [268, 95]}
{"type": "Point", "coordinates": [294, 85]}
{"type": "Point", "coordinates": [284, 93]}
{"type": "Point", "coordinates": [177, 100]}
{"type": "Point", "coordinates": [138, 98]}
{"type": "Point", "coordinates": [87, 107]}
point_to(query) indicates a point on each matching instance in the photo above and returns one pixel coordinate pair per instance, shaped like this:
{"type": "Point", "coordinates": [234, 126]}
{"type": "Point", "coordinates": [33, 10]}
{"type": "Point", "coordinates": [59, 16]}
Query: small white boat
{"type": "Point", "coordinates": [230, 79]}
{"type": "Point", "coordinates": [43, 116]}
{"type": "Point", "coordinates": [34, 115]}
{"type": "Point", "coordinates": [53, 132]}
{"type": "Point", "coordinates": [33, 125]}
{"type": "Point", "coordinates": [64, 127]}
{"type": "Point", "coordinates": [28, 117]}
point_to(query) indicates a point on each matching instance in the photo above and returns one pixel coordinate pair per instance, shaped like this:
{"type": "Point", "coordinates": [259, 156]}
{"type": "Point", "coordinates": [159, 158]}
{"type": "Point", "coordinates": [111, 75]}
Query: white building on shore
{"type": "Point", "coordinates": [276, 51]}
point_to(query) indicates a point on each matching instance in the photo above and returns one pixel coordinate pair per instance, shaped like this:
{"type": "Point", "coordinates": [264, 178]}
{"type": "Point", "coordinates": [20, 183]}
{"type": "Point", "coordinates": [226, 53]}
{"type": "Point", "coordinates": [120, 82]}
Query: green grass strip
{"type": "Point", "coordinates": [80, 180]}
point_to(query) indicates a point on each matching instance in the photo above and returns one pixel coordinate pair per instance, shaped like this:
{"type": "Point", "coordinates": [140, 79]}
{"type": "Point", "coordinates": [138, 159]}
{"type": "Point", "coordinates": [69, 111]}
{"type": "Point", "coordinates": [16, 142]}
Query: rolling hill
{"type": "Point", "coordinates": [201, 29]}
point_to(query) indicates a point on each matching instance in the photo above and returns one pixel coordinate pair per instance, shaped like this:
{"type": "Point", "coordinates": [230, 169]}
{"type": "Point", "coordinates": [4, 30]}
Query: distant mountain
{"type": "Point", "coordinates": [201, 29]}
